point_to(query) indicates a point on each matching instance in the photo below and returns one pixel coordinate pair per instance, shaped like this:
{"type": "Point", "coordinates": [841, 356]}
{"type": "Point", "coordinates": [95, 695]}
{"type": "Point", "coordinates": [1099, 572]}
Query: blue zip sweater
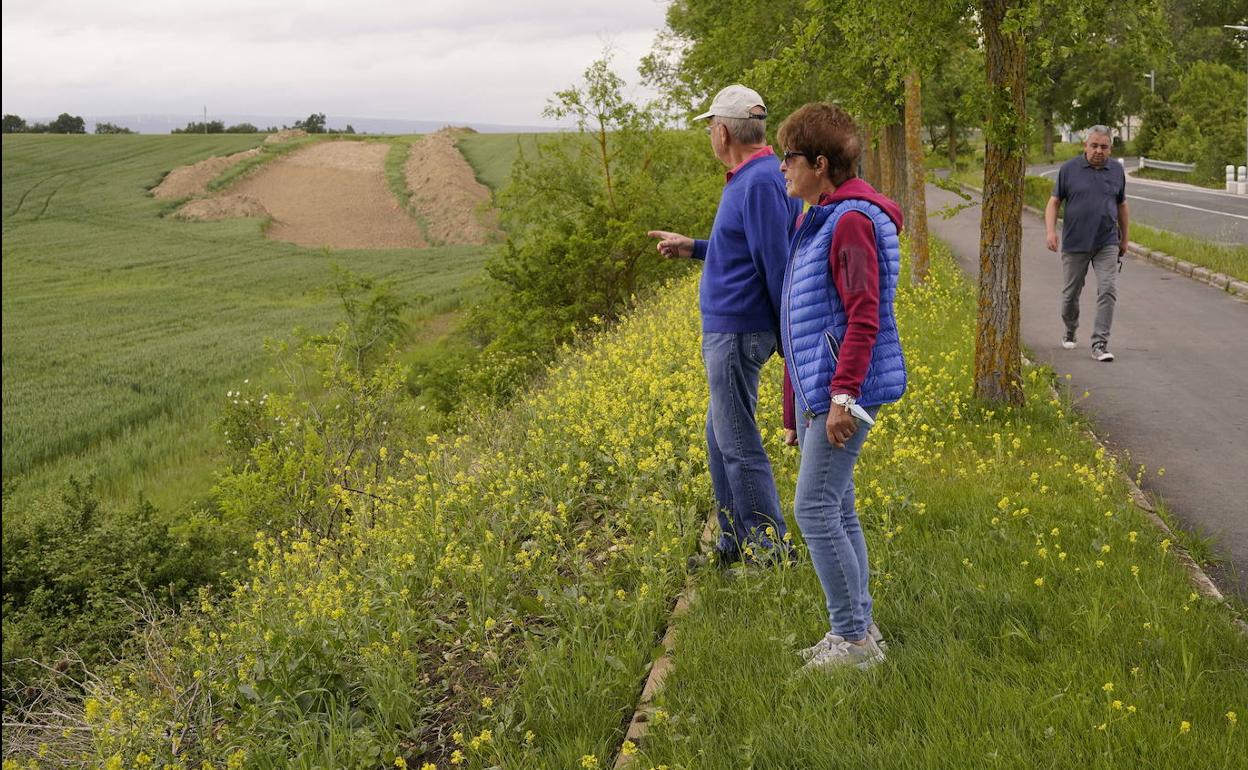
{"type": "Point", "coordinates": [746, 253]}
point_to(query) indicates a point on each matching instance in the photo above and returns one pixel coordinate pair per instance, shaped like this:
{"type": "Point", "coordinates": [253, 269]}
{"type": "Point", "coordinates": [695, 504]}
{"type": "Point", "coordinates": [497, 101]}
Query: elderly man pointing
{"type": "Point", "coordinates": [742, 277]}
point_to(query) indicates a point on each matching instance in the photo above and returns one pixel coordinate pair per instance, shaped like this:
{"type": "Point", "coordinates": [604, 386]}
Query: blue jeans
{"type": "Point", "coordinates": [746, 501]}
{"type": "Point", "coordinates": [824, 508]}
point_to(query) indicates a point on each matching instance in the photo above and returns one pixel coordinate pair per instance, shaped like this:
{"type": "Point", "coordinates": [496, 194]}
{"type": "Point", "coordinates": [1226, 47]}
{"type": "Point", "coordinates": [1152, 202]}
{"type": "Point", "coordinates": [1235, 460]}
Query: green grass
{"type": "Point", "coordinates": [1002, 549]}
{"type": "Point", "coordinates": [123, 330]}
{"type": "Point", "coordinates": [1179, 176]}
{"type": "Point", "coordinates": [1230, 260]}
{"type": "Point", "coordinates": [492, 155]}
{"type": "Point", "coordinates": [504, 603]}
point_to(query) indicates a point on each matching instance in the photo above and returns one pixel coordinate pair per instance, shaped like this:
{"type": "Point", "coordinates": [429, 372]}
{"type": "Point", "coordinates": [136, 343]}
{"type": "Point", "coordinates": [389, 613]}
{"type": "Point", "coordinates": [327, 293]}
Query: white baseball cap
{"type": "Point", "coordinates": [735, 101]}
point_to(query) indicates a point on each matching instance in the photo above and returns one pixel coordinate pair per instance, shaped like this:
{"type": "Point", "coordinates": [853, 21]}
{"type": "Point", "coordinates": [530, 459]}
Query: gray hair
{"type": "Point", "coordinates": [1099, 129]}
{"type": "Point", "coordinates": [746, 130]}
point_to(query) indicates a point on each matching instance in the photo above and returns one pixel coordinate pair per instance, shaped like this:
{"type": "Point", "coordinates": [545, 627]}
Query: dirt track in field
{"type": "Point", "coordinates": [334, 194]}
{"type": "Point", "coordinates": [446, 195]}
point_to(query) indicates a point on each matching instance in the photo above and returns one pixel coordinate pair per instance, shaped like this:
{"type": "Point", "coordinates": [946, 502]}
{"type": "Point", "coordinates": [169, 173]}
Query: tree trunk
{"type": "Point", "coordinates": [953, 141]}
{"type": "Point", "coordinates": [884, 157]}
{"type": "Point", "coordinates": [870, 159]}
{"type": "Point", "coordinates": [897, 159]}
{"type": "Point", "coordinates": [1048, 134]}
{"type": "Point", "coordinates": [998, 366]}
{"type": "Point", "coordinates": [916, 213]}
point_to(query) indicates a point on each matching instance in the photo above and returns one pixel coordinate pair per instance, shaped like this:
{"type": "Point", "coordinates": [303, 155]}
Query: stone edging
{"type": "Point", "coordinates": [1226, 283]}
{"type": "Point", "coordinates": [660, 668]}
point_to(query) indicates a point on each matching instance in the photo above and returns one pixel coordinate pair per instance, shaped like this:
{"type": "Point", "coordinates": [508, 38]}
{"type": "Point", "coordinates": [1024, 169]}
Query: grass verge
{"type": "Point", "coordinates": [498, 597]}
{"type": "Point", "coordinates": [1036, 618]}
{"type": "Point", "coordinates": [1163, 175]}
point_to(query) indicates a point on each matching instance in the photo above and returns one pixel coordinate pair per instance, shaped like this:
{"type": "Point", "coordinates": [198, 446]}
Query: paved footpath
{"type": "Point", "coordinates": [1175, 398]}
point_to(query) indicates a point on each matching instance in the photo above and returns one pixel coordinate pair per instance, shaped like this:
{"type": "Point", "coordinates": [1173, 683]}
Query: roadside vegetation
{"type": "Point", "coordinates": [115, 382]}
{"type": "Point", "coordinates": [492, 599]}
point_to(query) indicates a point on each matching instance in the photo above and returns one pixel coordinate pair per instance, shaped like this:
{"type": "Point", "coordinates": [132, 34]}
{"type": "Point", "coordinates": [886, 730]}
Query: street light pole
{"type": "Point", "coordinates": [1242, 28]}
{"type": "Point", "coordinates": [1152, 81]}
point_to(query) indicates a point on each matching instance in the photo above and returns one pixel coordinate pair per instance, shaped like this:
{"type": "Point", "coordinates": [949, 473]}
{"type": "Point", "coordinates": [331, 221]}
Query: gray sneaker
{"type": "Point", "coordinates": [842, 654]}
{"type": "Point", "coordinates": [1100, 353]}
{"type": "Point", "coordinates": [1068, 340]}
{"type": "Point", "coordinates": [829, 639]}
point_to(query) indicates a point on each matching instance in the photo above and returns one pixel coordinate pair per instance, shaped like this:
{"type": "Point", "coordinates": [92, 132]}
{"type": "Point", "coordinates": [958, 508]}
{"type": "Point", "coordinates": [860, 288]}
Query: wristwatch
{"type": "Point", "coordinates": [843, 400]}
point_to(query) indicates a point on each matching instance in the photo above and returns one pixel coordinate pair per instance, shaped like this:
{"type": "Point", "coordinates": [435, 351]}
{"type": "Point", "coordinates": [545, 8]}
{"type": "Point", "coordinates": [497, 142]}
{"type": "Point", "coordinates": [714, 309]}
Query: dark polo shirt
{"type": "Point", "coordinates": [1092, 196]}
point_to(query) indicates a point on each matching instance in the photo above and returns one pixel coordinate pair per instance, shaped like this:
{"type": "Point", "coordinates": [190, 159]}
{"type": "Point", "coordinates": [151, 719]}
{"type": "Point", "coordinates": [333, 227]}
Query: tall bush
{"type": "Point", "coordinates": [576, 214]}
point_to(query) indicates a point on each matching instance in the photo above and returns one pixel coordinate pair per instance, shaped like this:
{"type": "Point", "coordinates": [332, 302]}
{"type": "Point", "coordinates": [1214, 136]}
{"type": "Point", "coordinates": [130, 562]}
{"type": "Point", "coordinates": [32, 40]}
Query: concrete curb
{"type": "Point", "coordinates": [1226, 283]}
{"type": "Point", "coordinates": [659, 669]}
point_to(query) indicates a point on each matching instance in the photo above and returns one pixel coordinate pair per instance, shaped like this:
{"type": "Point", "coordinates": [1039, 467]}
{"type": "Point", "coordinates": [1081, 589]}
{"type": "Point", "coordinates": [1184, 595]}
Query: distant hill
{"type": "Point", "coordinates": [163, 124]}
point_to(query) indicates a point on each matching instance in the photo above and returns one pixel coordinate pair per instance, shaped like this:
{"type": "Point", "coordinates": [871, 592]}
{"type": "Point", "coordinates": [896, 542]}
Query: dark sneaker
{"type": "Point", "coordinates": [1068, 340]}
{"type": "Point", "coordinates": [1100, 353]}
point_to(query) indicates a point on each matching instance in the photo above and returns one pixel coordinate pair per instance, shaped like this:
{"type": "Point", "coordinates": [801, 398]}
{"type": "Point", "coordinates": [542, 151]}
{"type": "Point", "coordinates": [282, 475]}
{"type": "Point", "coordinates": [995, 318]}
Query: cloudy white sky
{"type": "Point", "coordinates": [487, 61]}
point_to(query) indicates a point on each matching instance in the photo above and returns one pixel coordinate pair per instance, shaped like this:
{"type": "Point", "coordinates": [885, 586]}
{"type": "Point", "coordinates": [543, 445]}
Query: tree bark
{"type": "Point", "coordinates": [916, 177]}
{"type": "Point", "coordinates": [998, 366]}
{"type": "Point", "coordinates": [1048, 134]}
{"type": "Point", "coordinates": [870, 159]}
{"type": "Point", "coordinates": [953, 141]}
{"type": "Point", "coordinates": [896, 134]}
{"type": "Point", "coordinates": [884, 155]}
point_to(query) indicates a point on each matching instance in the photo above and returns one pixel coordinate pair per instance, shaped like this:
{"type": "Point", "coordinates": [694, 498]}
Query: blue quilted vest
{"type": "Point", "coordinates": [813, 319]}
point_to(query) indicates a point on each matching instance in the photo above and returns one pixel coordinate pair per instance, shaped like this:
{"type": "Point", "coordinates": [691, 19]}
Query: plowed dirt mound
{"type": "Point", "coordinates": [446, 195]}
{"type": "Point", "coordinates": [285, 135]}
{"type": "Point", "coordinates": [222, 207]}
{"type": "Point", "coordinates": [193, 180]}
{"type": "Point", "coordinates": [333, 194]}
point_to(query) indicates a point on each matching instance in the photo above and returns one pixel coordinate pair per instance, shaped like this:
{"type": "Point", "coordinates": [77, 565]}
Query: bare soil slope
{"type": "Point", "coordinates": [192, 181]}
{"type": "Point", "coordinates": [455, 207]}
{"type": "Point", "coordinates": [333, 194]}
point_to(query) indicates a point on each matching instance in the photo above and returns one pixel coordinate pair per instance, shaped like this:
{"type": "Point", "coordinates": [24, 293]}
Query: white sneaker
{"type": "Point", "coordinates": [842, 654]}
{"type": "Point", "coordinates": [873, 631]}
{"type": "Point", "coordinates": [1068, 340]}
{"type": "Point", "coordinates": [1101, 354]}
{"type": "Point", "coordinates": [829, 639]}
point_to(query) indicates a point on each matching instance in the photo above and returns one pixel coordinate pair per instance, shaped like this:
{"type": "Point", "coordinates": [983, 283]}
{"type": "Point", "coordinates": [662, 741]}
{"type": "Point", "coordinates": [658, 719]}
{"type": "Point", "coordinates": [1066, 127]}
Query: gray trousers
{"type": "Point", "coordinates": [1075, 270]}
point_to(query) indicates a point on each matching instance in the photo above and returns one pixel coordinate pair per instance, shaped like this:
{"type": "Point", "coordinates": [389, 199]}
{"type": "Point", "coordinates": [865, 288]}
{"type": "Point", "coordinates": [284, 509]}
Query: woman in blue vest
{"type": "Point", "coordinates": [843, 360]}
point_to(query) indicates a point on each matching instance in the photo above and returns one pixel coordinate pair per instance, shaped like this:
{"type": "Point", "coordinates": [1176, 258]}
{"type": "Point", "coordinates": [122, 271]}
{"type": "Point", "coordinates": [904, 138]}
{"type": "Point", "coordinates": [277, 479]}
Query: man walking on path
{"type": "Point", "coordinates": [1094, 232]}
{"type": "Point", "coordinates": [740, 299]}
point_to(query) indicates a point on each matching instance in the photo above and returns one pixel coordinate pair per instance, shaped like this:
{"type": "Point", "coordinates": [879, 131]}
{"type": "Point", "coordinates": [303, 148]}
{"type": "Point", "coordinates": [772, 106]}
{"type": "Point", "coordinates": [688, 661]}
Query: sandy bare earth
{"type": "Point", "coordinates": [455, 207]}
{"type": "Point", "coordinates": [193, 180]}
{"type": "Point", "coordinates": [333, 194]}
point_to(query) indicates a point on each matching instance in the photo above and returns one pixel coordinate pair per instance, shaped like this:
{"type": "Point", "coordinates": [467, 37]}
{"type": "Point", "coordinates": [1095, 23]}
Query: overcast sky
{"type": "Point", "coordinates": [486, 61]}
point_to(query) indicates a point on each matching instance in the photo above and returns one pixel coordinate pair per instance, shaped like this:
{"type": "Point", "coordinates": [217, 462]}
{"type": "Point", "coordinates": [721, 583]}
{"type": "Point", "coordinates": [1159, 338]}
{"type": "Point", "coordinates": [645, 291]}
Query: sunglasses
{"type": "Point", "coordinates": [789, 155]}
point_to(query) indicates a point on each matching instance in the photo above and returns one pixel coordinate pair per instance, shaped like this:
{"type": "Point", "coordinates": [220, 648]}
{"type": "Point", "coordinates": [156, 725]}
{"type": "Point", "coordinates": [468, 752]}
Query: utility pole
{"type": "Point", "coordinates": [205, 118]}
{"type": "Point", "coordinates": [1152, 81]}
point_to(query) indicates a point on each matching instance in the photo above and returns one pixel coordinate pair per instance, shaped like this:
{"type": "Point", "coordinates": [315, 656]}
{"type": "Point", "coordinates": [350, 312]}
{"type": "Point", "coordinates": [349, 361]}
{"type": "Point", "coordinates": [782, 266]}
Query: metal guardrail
{"type": "Point", "coordinates": [1167, 165]}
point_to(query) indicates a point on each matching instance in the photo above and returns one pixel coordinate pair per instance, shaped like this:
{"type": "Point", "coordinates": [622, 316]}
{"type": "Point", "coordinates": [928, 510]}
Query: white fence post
{"type": "Point", "coordinates": [1231, 186]}
{"type": "Point", "coordinates": [1243, 180]}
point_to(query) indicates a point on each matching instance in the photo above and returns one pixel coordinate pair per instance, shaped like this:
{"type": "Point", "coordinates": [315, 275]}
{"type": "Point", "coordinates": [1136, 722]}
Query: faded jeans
{"type": "Point", "coordinates": [824, 508]}
{"type": "Point", "coordinates": [746, 501]}
{"type": "Point", "coordinates": [1074, 271]}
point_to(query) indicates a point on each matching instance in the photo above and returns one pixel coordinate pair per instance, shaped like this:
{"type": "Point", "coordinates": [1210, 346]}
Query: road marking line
{"type": "Point", "coordinates": [1185, 206]}
{"type": "Point", "coordinates": [1183, 187]}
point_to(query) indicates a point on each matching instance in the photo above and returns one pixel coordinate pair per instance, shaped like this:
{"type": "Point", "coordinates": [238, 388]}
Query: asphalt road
{"type": "Point", "coordinates": [1213, 215]}
{"type": "Point", "coordinates": [1177, 395]}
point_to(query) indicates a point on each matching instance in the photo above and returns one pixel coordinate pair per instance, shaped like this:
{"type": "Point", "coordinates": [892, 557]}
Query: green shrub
{"type": "Point", "coordinates": [75, 567]}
